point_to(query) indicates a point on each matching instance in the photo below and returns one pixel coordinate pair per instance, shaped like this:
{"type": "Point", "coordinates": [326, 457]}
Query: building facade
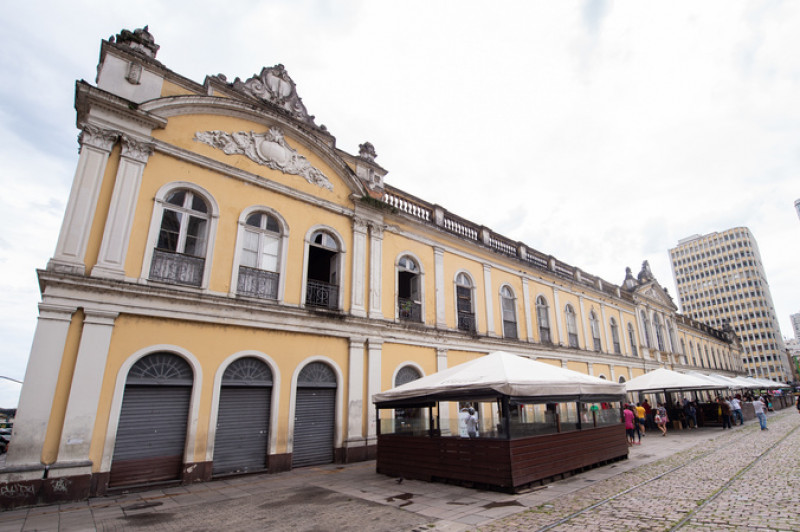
{"type": "Point", "coordinates": [229, 289]}
{"type": "Point", "coordinates": [796, 325]}
{"type": "Point", "coordinates": [721, 280]}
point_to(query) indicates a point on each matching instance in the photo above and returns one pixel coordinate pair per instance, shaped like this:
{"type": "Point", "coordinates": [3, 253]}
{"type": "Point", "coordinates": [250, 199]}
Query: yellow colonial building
{"type": "Point", "coordinates": [229, 289]}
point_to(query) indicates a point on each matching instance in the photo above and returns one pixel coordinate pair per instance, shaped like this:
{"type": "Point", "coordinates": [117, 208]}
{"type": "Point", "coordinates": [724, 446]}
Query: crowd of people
{"type": "Point", "coordinates": [641, 416]}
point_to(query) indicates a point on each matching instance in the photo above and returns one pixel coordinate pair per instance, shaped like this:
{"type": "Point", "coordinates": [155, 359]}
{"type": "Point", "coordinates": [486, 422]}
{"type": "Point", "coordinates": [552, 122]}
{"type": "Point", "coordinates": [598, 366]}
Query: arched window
{"type": "Point", "coordinates": [672, 341]}
{"type": "Point", "coordinates": [595, 326]}
{"type": "Point", "coordinates": [632, 339]}
{"type": "Point", "coordinates": [259, 258]}
{"type": "Point", "coordinates": [683, 351]}
{"type": "Point", "coordinates": [406, 374]}
{"type": "Point", "coordinates": [707, 359]}
{"type": "Point", "coordinates": [691, 349]}
{"type": "Point", "coordinates": [646, 327]}
{"type": "Point", "coordinates": [659, 332]}
{"type": "Point", "coordinates": [464, 304]}
{"type": "Point", "coordinates": [543, 317]}
{"type": "Point", "coordinates": [621, 379]}
{"type": "Point", "coordinates": [409, 283]}
{"type": "Point", "coordinates": [508, 303]}
{"type": "Point", "coordinates": [323, 276]}
{"type": "Point", "coordinates": [180, 252]}
{"type": "Point", "coordinates": [572, 326]}
{"type": "Point", "coordinates": [615, 336]}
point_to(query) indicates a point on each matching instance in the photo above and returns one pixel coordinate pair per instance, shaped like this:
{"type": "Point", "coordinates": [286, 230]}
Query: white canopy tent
{"type": "Point", "coordinates": [502, 373]}
{"type": "Point", "coordinates": [663, 379]}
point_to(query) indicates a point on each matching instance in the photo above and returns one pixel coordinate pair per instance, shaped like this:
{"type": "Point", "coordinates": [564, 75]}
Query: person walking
{"type": "Point", "coordinates": [628, 415]}
{"type": "Point", "coordinates": [640, 418]}
{"type": "Point", "coordinates": [724, 412]}
{"type": "Point", "coordinates": [661, 419]}
{"type": "Point", "coordinates": [759, 406]}
{"type": "Point", "coordinates": [736, 404]}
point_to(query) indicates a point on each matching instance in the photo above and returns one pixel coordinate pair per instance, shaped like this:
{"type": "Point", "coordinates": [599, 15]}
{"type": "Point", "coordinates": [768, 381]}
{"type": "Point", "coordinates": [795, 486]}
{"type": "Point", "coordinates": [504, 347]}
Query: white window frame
{"type": "Point", "coordinates": [421, 279]}
{"type": "Point", "coordinates": [615, 343]}
{"type": "Point", "coordinates": [513, 300]}
{"type": "Point", "coordinates": [340, 266]}
{"type": "Point", "coordinates": [572, 326]}
{"type": "Point", "coordinates": [160, 202]}
{"type": "Point", "coordinates": [282, 251]}
{"type": "Point", "coordinates": [546, 307]}
{"type": "Point", "coordinates": [594, 325]}
{"type": "Point", "coordinates": [473, 303]}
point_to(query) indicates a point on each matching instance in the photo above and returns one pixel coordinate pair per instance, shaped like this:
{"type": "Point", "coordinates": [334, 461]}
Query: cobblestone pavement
{"type": "Point", "coordinates": [744, 479]}
{"type": "Point", "coordinates": [693, 480]}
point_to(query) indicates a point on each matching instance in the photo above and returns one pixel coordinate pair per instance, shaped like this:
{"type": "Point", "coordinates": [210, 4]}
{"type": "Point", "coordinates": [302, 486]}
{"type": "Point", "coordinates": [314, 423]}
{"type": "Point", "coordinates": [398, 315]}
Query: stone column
{"type": "Point", "coordinates": [526, 298]}
{"type": "Point", "coordinates": [355, 395]}
{"type": "Point", "coordinates": [359, 268]}
{"type": "Point", "coordinates": [559, 320]}
{"type": "Point", "coordinates": [117, 232]}
{"type": "Point", "coordinates": [96, 145]}
{"type": "Point", "coordinates": [444, 416]}
{"type": "Point", "coordinates": [438, 258]}
{"type": "Point", "coordinates": [374, 351]}
{"type": "Point", "coordinates": [41, 377]}
{"type": "Point", "coordinates": [487, 292]}
{"type": "Point", "coordinates": [588, 339]}
{"type": "Point", "coordinates": [606, 328]}
{"type": "Point", "coordinates": [87, 380]}
{"type": "Point", "coordinates": [376, 271]}
{"type": "Point", "coordinates": [590, 368]}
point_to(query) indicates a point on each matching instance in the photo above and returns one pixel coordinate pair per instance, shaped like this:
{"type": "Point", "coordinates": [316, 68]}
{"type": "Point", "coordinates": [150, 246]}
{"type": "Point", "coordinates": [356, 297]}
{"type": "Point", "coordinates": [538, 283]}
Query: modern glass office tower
{"type": "Point", "coordinates": [720, 278]}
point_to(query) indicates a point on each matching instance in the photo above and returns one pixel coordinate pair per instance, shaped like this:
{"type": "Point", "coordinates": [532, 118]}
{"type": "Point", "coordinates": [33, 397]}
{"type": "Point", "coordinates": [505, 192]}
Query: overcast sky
{"type": "Point", "coordinates": [599, 132]}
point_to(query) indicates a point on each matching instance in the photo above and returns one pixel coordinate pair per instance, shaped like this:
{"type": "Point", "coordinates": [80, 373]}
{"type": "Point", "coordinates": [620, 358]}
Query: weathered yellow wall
{"type": "Point", "coordinates": [101, 211]}
{"type": "Point", "coordinates": [211, 345]}
{"type": "Point", "coordinates": [55, 423]}
{"type": "Point", "coordinates": [580, 367]}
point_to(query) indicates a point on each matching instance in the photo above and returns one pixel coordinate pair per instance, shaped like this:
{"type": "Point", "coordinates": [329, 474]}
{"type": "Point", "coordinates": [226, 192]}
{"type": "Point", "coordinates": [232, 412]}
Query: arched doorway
{"type": "Point", "coordinates": [240, 444]}
{"type": "Point", "coordinates": [151, 434]}
{"type": "Point", "coordinates": [315, 415]}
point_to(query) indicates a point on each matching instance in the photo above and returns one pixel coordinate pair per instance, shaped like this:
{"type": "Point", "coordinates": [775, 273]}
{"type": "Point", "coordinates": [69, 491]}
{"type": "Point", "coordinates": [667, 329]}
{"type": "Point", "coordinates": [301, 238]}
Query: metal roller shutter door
{"type": "Point", "coordinates": [313, 426]}
{"type": "Point", "coordinates": [242, 429]}
{"type": "Point", "coordinates": [151, 434]}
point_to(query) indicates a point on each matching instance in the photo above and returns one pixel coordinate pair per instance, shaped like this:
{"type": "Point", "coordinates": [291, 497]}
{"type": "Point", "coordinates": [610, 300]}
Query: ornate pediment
{"type": "Point", "coordinates": [269, 149]}
{"type": "Point", "coordinates": [653, 292]}
{"type": "Point", "coordinates": [274, 85]}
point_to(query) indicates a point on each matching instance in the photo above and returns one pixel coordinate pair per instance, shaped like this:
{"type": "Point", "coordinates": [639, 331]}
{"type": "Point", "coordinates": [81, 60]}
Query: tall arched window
{"type": "Point", "coordinates": [543, 317]}
{"type": "Point", "coordinates": [707, 360]}
{"type": "Point", "coordinates": [632, 338]}
{"type": "Point", "coordinates": [409, 289]}
{"type": "Point", "coordinates": [180, 253]}
{"type": "Point", "coordinates": [595, 326]}
{"type": "Point", "coordinates": [683, 351]}
{"type": "Point", "coordinates": [672, 341]}
{"type": "Point", "coordinates": [646, 327]}
{"type": "Point", "coordinates": [659, 332]}
{"type": "Point", "coordinates": [464, 305]}
{"type": "Point", "coordinates": [323, 276]}
{"type": "Point", "coordinates": [259, 259]}
{"type": "Point", "coordinates": [572, 326]}
{"type": "Point", "coordinates": [691, 350]}
{"type": "Point", "coordinates": [508, 303]}
{"type": "Point", "coordinates": [615, 336]}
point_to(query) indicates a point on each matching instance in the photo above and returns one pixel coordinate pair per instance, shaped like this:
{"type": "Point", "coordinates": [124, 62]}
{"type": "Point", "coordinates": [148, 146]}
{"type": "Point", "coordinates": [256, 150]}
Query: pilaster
{"type": "Point", "coordinates": [559, 319]}
{"type": "Point", "coordinates": [374, 352]}
{"type": "Point", "coordinates": [355, 390]}
{"type": "Point", "coordinates": [96, 145]}
{"type": "Point", "coordinates": [357, 307]}
{"type": "Point", "coordinates": [87, 380]}
{"type": "Point", "coordinates": [117, 231]}
{"type": "Point", "coordinates": [487, 291]}
{"type": "Point", "coordinates": [438, 273]}
{"type": "Point", "coordinates": [376, 271]}
{"type": "Point", "coordinates": [41, 377]}
{"type": "Point", "coordinates": [526, 302]}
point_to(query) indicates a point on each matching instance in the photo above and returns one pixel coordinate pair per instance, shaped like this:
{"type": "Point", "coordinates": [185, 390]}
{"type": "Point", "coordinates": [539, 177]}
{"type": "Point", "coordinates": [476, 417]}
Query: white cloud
{"type": "Point", "coordinates": [599, 132]}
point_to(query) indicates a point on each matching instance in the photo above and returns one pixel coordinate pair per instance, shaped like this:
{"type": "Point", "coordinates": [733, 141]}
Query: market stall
{"type": "Point", "coordinates": [500, 420]}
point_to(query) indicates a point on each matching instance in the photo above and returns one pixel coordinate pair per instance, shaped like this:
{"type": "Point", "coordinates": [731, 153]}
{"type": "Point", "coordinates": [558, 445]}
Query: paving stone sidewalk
{"type": "Point", "coordinates": [353, 497]}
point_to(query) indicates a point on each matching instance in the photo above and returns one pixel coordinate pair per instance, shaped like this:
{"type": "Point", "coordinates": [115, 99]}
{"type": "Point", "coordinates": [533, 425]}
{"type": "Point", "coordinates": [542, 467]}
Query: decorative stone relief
{"type": "Point", "coordinates": [140, 40]}
{"type": "Point", "coordinates": [274, 85]}
{"type": "Point", "coordinates": [102, 139]}
{"type": "Point", "coordinates": [367, 151]}
{"type": "Point", "coordinates": [138, 151]}
{"type": "Point", "coordinates": [269, 149]}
